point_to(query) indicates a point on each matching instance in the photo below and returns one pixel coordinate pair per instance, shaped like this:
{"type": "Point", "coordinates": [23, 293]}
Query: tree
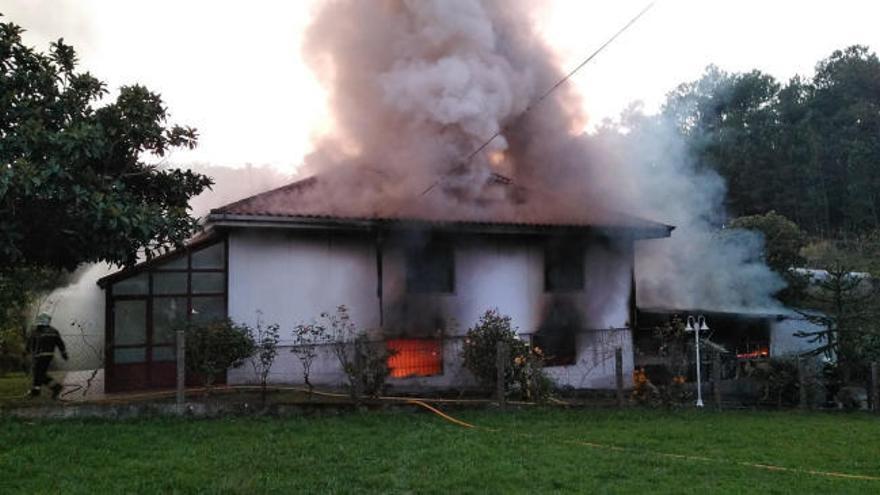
{"type": "Point", "coordinates": [783, 239]}
{"type": "Point", "coordinates": [845, 112]}
{"type": "Point", "coordinates": [74, 186]}
{"type": "Point", "coordinates": [846, 315]}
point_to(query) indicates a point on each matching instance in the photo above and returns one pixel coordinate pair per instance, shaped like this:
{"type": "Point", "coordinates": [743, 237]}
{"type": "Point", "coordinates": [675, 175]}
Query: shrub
{"type": "Point", "coordinates": [524, 369]}
{"type": "Point", "coordinates": [214, 347]}
{"type": "Point", "coordinates": [365, 363]}
{"type": "Point", "coordinates": [306, 340]}
{"type": "Point", "coordinates": [265, 339]}
{"type": "Point", "coordinates": [778, 379]}
{"type": "Point", "coordinates": [13, 356]}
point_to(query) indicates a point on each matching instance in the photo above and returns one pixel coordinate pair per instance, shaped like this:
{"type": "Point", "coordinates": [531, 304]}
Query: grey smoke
{"type": "Point", "coordinates": [416, 85]}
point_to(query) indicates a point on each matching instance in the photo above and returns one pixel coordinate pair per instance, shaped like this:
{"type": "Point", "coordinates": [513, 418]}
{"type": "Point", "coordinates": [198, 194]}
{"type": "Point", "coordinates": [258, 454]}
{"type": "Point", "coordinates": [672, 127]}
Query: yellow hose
{"type": "Point", "coordinates": [440, 413]}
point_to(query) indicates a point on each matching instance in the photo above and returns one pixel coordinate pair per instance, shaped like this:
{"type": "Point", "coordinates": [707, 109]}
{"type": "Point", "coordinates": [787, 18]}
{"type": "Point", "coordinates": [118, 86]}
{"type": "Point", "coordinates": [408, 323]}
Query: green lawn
{"type": "Point", "coordinates": [533, 451]}
{"type": "Point", "coordinates": [13, 385]}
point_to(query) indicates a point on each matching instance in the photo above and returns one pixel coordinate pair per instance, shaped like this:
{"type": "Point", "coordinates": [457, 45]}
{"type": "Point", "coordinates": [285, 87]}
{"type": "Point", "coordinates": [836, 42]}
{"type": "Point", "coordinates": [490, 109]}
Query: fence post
{"type": "Point", "coordinates": [802, 382]}
{"type": "Point", "coordinates": [502, 356]}
{"type": "Point", "coordinates": [875, 388]}
{"type": "Point", "coordinates": [358, 388]}
{"type": "Point", "coordinates": [716, 379]}
{"type": "Point", "coordinates": [181, 370]}
{"type": "Point", "coordinates": [618, 374]}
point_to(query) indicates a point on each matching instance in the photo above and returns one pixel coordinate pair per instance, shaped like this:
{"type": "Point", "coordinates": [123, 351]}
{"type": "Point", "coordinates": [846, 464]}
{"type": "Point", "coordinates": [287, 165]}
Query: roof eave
{"type": "Point", "coordinates": [219, 219]}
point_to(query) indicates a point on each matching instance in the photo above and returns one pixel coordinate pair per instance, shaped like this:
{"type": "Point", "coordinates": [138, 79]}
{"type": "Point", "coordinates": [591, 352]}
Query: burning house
{"type": "Point", "coordinates": [417, 278]}
{"type": "Point", "coordinates": [455, 178]}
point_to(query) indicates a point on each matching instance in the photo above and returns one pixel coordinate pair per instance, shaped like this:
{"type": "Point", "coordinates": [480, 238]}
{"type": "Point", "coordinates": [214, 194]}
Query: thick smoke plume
{"type": "Point", "coordinates": [415, 86]}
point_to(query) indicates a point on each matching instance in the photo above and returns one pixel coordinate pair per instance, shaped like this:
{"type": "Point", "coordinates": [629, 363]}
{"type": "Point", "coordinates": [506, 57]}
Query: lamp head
{"type": "Point", "coordinates": [702, 322]}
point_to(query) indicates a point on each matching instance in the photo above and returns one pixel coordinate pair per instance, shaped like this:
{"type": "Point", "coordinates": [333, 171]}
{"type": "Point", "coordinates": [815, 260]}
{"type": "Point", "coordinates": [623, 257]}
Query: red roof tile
{"type": "Point", "coordinates": [500, 203]}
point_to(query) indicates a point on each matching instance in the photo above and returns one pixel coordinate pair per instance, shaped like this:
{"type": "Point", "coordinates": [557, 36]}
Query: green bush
{"type": "Point", "coordinates": [365, 363]}
{"type": "Point", "coordinates": [214, 347]}
{"type": "Point", "coordinates": [525, 366]}
{"type": "Point", "coordinates": [12, 351]}
{"type": "Point", "coordinates": [778, 379]}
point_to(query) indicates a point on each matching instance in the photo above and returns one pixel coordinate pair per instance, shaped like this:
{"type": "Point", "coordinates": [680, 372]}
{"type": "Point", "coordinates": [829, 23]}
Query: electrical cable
{"type": "Point", "coordinates": [546, 93]}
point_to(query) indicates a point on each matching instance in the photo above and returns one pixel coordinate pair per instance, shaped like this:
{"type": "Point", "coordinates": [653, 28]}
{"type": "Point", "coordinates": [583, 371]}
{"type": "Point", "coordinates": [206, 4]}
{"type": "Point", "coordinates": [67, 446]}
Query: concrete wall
{"type": "Point", "coordinates": [292, 277]}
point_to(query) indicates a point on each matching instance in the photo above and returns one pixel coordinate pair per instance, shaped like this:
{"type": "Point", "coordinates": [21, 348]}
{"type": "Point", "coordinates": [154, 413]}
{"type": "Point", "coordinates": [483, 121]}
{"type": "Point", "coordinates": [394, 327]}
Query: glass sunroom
{"type": "Point", "coordinates": [145, 305]}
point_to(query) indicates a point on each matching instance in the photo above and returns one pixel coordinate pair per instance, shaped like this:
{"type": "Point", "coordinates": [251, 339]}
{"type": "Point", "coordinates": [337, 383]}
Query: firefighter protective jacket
{"type": "Point", "coordinates": [43, 341]}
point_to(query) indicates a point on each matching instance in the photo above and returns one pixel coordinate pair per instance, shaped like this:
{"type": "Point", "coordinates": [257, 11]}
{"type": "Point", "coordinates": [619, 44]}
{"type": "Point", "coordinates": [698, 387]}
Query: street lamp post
{"type": "Point", "coordinates": [697, 325]}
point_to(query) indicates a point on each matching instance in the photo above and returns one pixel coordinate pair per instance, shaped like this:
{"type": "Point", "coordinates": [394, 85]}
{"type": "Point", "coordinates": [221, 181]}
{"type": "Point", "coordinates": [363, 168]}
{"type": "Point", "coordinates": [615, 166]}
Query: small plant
{"type": "Point", "coordinates": [365, 363]}
{"type": "Point", "coordinates": [307, 338]}
{"type": "Point", "coordinates": [213, 347]}
{"type": "Point", "coordinates": [524, 370]}
{"type": "Point", "coordinates": [265, 338]}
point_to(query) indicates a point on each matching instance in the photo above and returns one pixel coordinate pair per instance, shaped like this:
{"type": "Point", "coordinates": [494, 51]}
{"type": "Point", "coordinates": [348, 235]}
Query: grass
{"type": "Point", "coordinates": [529, 451]}
{"type": "Point", "coordinates": [13, 386]}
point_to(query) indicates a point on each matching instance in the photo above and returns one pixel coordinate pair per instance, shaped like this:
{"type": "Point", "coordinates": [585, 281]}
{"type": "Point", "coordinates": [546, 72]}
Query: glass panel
{"type": "Point", "coordinates": [178, 263]}
{"type": "Point", "coordinates": [169, 283]}
{"type": "Point", "coordinates": [132, 286]}
{"type": "Point", "coordinates": [169, 313]}
{"type": "Point", "coordinates": [208, 309]}
{"type": "Point", "coordinates": [163, 354]}
{"type": "Point", "coordinates": [130, 322]}
{"type": "Point", "coordinates": [130, 355]}
{"type": "Point", "coordinates": [208, 282]}
{"type": "Point", "coordinates": [211, 257]}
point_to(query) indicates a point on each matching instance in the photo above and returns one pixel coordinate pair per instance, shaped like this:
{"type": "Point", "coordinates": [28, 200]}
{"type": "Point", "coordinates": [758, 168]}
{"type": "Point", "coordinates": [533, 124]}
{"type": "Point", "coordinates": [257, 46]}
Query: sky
{"type": "Point", "coordinates": [233, 69]}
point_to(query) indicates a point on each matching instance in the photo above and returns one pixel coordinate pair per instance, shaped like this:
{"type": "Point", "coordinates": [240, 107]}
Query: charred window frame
{"type": "Point", "coordinates": [430, 268]}
{"type": "Point", "coordinates": [558, 349]}
{"type": "Point", "coordinates": [564, 265]}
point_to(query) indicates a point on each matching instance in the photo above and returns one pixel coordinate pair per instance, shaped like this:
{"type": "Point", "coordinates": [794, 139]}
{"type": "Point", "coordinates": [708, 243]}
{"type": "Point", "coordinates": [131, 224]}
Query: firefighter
{"type": "Point", "coordinates": [42, 343]}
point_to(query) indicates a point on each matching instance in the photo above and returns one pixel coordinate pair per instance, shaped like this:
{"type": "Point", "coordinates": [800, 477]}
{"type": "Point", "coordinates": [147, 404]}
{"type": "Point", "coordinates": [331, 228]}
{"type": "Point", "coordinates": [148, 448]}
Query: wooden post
{"type": "Point", "coordinates": [618, 374]}
{"type": "Point", "coordinates": [716, 379]}
{"type": "Point", "coordinates": [181, 371]}
{"type": "Point", "coordinates": [875, 387]}
{"type": "Point", "coordinates": [358, 385]}
{"type": "Point", "coordinates": [502, 356]}
{"type": "Point", "coordinates": [802, 383]}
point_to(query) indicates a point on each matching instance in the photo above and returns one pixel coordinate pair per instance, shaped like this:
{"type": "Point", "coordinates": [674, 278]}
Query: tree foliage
{"type": "Point", "coordinates": [808, 149]}
{"type": "Point", "coordinates": [74, 183]}
{"type": "Point", "coordinates": [784, 239]}
{"type": "Point", "coordinates": [847, 318]}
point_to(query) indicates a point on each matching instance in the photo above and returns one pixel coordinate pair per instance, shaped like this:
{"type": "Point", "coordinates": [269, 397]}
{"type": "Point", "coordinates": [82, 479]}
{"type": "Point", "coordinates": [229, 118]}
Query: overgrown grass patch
{"type": "Point", "coordinates": [536, 450]}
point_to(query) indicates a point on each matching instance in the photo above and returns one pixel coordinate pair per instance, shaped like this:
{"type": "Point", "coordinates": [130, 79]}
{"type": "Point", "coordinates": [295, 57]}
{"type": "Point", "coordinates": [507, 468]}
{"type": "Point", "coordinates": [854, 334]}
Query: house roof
{"type": "Point", "coordinates": [199, 240]}
{"type": "Point", "coordinates": [509, 207]}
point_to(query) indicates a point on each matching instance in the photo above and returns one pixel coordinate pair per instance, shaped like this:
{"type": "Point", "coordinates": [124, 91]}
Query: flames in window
{"type": "Point", "coordinates": [759, 352]}
{"type": "Point", "coordinates": [414, 357]}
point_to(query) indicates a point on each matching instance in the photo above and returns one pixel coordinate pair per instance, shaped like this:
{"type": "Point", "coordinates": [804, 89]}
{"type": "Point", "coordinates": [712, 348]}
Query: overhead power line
{"type": "Point", "coordinates": [547, 93]}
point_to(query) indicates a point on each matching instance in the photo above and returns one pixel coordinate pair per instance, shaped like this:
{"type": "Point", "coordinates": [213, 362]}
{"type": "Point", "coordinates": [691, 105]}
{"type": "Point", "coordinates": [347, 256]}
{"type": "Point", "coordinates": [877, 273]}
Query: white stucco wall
{"type": "Point", "coordinates": [784, 342]}
{"type": "Point", "coordinates": [293, 277]}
